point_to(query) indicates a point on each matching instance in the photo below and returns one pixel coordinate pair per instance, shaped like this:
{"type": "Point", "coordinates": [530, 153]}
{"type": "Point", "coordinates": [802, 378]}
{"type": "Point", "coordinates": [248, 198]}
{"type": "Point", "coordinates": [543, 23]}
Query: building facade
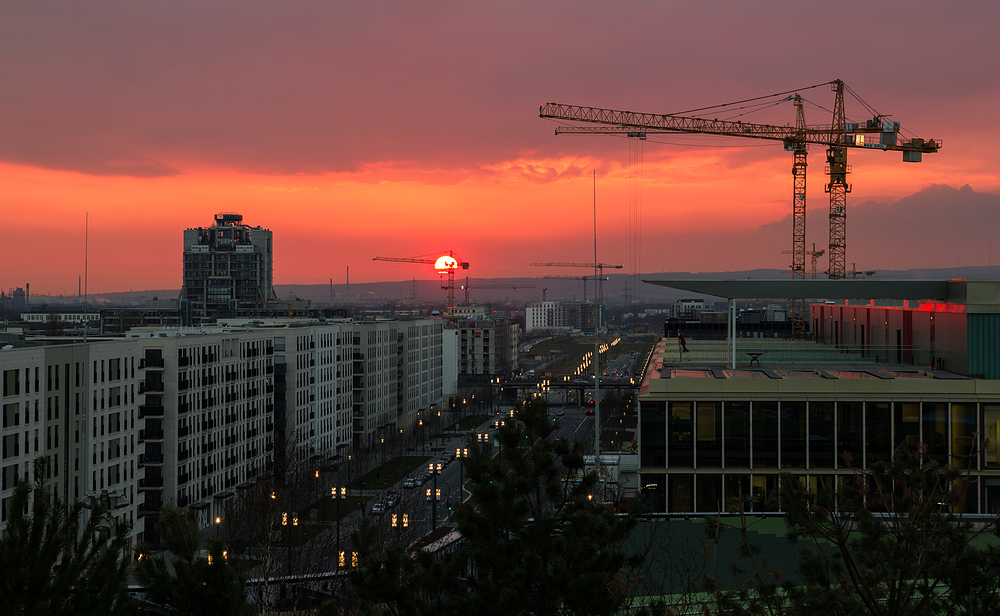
{"type": "Point", "coordinates": [189, 416]}
{"type": "Point", "coordinates": [78, 408]}
{"type": "Point", "coordinates": [561, 316]}
{"type": "Point", "coordinates": [228, 270]}
{"type": "Point", "coordinates": [709, 436]}
{"type": "Point", "coordinates": [486, 348]}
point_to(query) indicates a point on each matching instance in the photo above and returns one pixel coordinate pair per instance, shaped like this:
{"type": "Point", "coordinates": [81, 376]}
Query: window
{"type": "Point", "coordinates": [821, 435]}
{"type": "Point", "coordinates": [653, 434]}
{"type": "Point", "coordinates": [737, 439]}
{"type": "Point", "coordinates": [793, 434]}
{"type": "Point", "coordinates": [709, 434]}
{"type": "Point", "coordinates": [765, 434]}
{"type": "Point", "coordinates": [878, 438]}
{"type": "Point", "coordinates": [681, 435]}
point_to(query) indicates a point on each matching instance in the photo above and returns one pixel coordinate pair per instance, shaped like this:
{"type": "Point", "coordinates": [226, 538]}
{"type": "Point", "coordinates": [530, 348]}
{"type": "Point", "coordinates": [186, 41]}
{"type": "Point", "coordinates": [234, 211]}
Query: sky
{"type": "Point", "coordinates": [362, 129]}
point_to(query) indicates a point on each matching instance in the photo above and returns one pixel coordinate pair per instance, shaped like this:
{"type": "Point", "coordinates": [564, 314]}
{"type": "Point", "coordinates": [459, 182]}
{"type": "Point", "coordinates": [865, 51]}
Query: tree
{"type": "Point", "coordinates": [539, 541]}
{"type": "Point", "coordinates": [191, 583]}
{"type": "Point", "coordinates": [893, 543]}
{"type": "Point", "coordinates": [57, 559]}
{"type": "Point", "coordinates": [535, 540]}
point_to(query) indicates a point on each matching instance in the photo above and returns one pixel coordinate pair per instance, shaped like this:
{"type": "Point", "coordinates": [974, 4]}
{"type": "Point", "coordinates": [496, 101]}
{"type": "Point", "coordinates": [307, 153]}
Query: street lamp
{"type": "Point", "coordinates": [400, 521]}
{"type": "Point", "coordinates": [218, 522]}
{"type": "Point", "coordinates": [461, 452]}
{"type": "Point", "coordinates": [288, 533]}
{"type": "Point", "coordinates": [337, 497]}
{"type": "Point", "coordinates": [433, 497]}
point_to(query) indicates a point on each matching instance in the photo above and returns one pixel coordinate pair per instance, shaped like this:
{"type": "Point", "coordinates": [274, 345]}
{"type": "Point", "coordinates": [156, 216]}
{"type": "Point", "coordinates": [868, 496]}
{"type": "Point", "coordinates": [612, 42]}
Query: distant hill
{"type": "Point", "coordinates": [428, 293]}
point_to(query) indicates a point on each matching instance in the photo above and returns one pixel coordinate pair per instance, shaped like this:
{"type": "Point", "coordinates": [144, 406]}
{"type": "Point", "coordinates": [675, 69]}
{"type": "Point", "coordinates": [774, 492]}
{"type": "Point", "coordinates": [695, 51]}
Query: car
{"type": "Point", "coordinates": [410, 482]}
{"type": "Point", "coordinates": [378, 506]}
{"type": "Point", "coordinates": [423, 478]}
{"type": "Point", "coordinates": [392, 499]}
{"type": "Point", "coordinates": [589, 411]}
{"type": "Point", "coordinates": [560, 412]}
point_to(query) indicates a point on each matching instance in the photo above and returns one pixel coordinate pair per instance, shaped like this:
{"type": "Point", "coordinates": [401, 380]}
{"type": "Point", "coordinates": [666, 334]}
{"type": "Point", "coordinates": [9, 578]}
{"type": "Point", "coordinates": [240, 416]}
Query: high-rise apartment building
{"type": "Point", "coordinates": [228, 270]}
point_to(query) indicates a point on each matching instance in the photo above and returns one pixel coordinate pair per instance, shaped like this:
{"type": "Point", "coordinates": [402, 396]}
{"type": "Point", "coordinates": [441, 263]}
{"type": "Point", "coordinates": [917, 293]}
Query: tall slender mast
{"type": "Point", "coordinates": [597, 347]}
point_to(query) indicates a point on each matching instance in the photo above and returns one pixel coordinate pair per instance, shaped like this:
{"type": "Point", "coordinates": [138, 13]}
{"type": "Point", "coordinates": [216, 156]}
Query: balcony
{"type": "Point", "coordinates": [151, 362]}
{"type": "Point", "coordinates": [150, 435]}
{"type": "Point", "coordinates": [183, 431]}
{"type": "Point", "coordinates": [183, 454]}
{"type": "Point", "coordinates": [146, 386]}
{"type": "Point", "coordinates": [150, 410]}
{"type": "Point", "coordinates": [150, 482]}
{"type": "Point", "coordinates": [147, 459]}
{"type": "Point", "coordinates": [183, 407]}
{"type": "Point", "coordinates": [183, 361]}
{"type": "Point", "coordinates": [182, 479]}
{"type": "Point", "coordinates": [183, 385]}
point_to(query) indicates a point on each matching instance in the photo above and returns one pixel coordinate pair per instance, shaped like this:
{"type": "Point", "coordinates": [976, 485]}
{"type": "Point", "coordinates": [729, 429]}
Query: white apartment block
{"type": "Point", "coordinates": [540, 315]}
{"type": "Point", "coordinates": [77, 406]}
{"type": "Point", "coordinates": [560, 316]}
{"type": "Point", "coordinates": [189, 416]}
{"type": "Point", "coordinates": [210, 417]}
{"type": "Point", "coordinates": [423, 369]}
{"type": "Point", "coordinates": [319, 388]}
{"type": "Point", "coordinates": [486, 348]}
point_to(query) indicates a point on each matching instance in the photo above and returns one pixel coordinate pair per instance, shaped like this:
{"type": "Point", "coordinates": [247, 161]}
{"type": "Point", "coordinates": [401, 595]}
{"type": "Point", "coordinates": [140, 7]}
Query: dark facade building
{"type": "Point", "coordinates": [228, 270]}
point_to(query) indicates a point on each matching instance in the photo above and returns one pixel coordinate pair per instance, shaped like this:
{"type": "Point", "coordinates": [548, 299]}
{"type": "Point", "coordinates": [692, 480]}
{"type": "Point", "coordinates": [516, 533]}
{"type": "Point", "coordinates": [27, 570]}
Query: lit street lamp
{"type": "Point", "coordinates": [337, 497]}
{"type": "Point", "coordinates": [461, 452]}
{"type": "Point", "coordinates": [288, 533]}
{"type": "Point", "coordinates": [433, 497]}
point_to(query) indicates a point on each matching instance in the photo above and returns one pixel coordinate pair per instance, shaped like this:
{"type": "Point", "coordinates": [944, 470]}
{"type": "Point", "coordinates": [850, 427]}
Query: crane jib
{"type": "Point", "coordinates": [621, 122]}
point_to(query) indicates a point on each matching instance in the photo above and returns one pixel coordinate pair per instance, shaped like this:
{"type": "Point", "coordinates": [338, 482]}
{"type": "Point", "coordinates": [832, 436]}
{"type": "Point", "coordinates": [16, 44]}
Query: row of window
{"type": "Point", "coordinates": [826, 434]}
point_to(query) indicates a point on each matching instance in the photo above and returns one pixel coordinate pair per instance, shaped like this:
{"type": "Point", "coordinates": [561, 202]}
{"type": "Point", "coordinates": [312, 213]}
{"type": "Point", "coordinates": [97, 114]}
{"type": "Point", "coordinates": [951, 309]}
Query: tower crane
{"type": "Point", "coordinates": [585, 279]}
{"type": "Point", "coordinates": [468, 286]}
{"type": "Point", "coordinates": [598, 266]}
{"type": "Point", "coordinates": [815, 254]}
{"type": "Point", "coordinates": [884, 135]}
{"type": "Point", "coordinates": [445, 264]}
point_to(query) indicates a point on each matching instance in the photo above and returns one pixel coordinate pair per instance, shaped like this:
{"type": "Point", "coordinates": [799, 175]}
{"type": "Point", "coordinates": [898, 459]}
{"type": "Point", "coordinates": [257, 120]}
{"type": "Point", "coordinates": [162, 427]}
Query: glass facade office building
{"type": "Point", "coordinates": [708, 436]}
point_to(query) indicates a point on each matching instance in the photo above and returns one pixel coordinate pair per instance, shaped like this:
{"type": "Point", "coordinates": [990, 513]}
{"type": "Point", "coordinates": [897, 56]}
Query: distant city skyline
{"type": "Point", "coordinates": [354, 131]}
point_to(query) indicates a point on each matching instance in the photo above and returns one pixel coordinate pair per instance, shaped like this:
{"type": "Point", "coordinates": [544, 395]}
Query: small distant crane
{"type": "Point", "coordinates": [585, 279]}
{"type": "Point", "coordinates": [468, 286]}
{"type": "Point", "coordinates": [598, 266]}
{"type": "Point", "coordinates": [445, 264]}
{"type": "Point", "coordinates": [855, 272]}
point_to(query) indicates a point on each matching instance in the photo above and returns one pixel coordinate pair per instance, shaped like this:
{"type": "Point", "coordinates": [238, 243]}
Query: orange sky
{"type": "Point", "coordinates": [401, 130]}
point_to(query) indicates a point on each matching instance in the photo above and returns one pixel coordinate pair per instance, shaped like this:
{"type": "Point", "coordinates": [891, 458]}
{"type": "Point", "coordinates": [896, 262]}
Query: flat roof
{"type": "Point", "coordinates": [979, 295]}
